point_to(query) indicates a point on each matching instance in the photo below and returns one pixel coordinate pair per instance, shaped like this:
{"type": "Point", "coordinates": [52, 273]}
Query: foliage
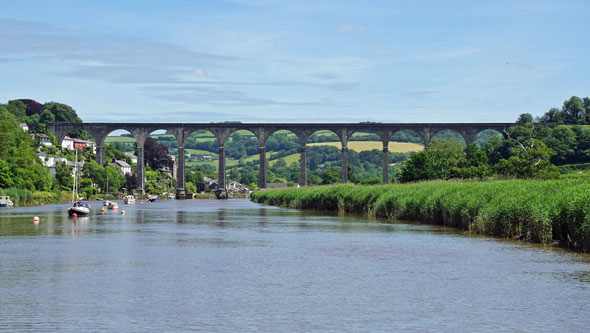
{"type": "Point", "coordinates": [61, 112]}
{"type": "Point", "coordinates": [534, 210]}
{"type": "Point", "coordinates": [20, 166]}
{"type": "Point", "coordinates": [524, 118]}
{"type": "Point", "coordinates": [131, 182]}
{"type": "Point", "coordinates": [63, 174]}
{"type": "Point", "coordinates": [520, 155]}
{"type": "Point", "coordinates": [156, 154]}
{"type": "Point", "coordinates": [575, 110]}
{"type": "Point", "coordinates": [331, 176]}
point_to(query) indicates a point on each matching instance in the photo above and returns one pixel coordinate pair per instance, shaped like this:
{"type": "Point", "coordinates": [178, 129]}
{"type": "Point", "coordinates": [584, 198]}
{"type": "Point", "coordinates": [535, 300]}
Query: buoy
{"type": "Point", "coordinates": [122, 212]}
{"type": "Point", "coordinates": [36, 219]}
{"type": "Point", "coordinates": [74, 215]}
{"type": "Point", "coordinates": [102, 210]}
{"type": "Point", "coordinates": [41, 204]}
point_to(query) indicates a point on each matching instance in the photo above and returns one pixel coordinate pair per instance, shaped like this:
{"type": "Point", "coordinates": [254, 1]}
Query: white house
{"type": "Point", "coordinates": [47, 160]}
{"type": "Point", "coordinates": [67, 143]}
{"type": "Point", "coordinates": [44, 140]}
{"type": "Point", "coordinates": [126, 168]}
{"type": "Point", "coordinates": [131, 156]}
{"type": "Point", "coordinates": [24, 126]}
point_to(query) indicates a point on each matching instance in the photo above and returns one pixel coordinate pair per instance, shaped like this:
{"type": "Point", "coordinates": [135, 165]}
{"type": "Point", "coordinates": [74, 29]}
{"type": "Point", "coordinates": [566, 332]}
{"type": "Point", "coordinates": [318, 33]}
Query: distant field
{"type": "Point", "coordinates": [122, 139]}
{"type": "Point", "coordinates": [205, 139]}
{"type": "Point", "coordinates": [394, 147]}
{"type": "Point", "coordinates": [229, 163]}
{"type": "Point", "coordinates": [199, 152]}
{"type": "Point", "coordinates": [289, 159]}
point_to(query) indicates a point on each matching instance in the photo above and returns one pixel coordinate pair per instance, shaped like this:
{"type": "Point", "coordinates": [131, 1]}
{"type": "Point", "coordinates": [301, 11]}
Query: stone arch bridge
{"type": "Point", "coordinates": [262, 131]}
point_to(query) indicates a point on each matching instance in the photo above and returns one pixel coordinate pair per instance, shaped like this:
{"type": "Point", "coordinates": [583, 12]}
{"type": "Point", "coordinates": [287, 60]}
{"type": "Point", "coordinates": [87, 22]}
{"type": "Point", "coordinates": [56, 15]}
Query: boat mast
{"type": "Point", "coordinates": [106, 195]}
{"type": "Point", "coordinates": [75, 171]}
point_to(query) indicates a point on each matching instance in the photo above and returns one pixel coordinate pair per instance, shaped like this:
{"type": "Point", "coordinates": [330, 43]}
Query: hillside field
{"type": "Point", "coordinates": [358, 146]}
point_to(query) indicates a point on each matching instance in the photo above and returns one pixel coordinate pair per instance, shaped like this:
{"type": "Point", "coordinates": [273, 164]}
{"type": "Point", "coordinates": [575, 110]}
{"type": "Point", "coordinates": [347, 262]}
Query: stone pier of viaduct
{"type": "Point", "coordinates": [262, 131]}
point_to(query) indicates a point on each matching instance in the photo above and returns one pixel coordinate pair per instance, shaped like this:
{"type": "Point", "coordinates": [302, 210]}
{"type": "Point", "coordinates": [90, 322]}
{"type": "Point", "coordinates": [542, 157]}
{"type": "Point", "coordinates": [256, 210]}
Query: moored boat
{"type": "Point", "coordinates": [129, 200]}
{"type": "Point", "coordinates": [5, 201]}
{"type": "Point", "coordinates": [113, 205]}
{"type": "Point", "coordinates": [80, 208]}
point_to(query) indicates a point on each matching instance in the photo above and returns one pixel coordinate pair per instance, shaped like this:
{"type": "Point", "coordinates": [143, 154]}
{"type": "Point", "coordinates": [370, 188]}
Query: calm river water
{"type": "Point", "coordinates": [235, 266]}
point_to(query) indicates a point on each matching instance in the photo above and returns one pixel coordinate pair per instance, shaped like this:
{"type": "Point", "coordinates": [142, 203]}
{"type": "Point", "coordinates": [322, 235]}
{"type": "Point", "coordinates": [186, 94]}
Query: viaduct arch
{"type": "Point", "coordinates": [262, 131]}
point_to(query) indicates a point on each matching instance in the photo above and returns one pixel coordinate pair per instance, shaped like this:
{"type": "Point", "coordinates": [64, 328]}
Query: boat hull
{"type": "Point", "coordinates": [129, 200]}
{"type": "Point", "coordinates": [79, 211]}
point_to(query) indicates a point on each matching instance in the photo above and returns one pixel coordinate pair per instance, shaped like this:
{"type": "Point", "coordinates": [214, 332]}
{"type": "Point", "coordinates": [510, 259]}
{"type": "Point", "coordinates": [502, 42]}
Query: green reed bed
{"type": "Point", "coordinates": [533, 210]}
{"type": "Point", "coordinates": [22, 197]}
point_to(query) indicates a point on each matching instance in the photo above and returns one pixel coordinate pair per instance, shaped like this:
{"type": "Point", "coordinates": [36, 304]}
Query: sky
{"type": "Point", "coordinates": [296, 61]}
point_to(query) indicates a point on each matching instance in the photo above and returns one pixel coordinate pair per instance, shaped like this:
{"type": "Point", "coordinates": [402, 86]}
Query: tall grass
{"type": "Point", "coordinates": [533, 210]}
{"type": "Point", "coordinates": [21, 197]}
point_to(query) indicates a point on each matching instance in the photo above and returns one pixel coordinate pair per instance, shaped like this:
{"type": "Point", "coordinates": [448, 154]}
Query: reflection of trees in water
{"type": "Point", "coordinates": [221, 217]}
{"type": "Point", "coordinates": [140, 217]}
{"type": "Point", "coordinates": [262, 213]}
{"type": "Point", "coordinates": [180, 217]}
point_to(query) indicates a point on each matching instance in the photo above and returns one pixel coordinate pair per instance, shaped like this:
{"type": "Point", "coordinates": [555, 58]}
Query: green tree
{"type": "Point", "coordinates": [280, 163]}
{"type": "Point", "coordinates": [47, 117]}
{"type": "Point", "coordinates": [562, 140]}
{"type": "Point", "coordinates": [190, 188]}
{"type": "Point", "coordinates": [116, 178]}
{"type": "Point", "coordinates": [573, 111]}
{"type": "Point", "coordinates": [95, 172]}
{"type": "Point", "coordinates": [18, 109]}
{"type": "Point", "coordinates": [524, 118]}
{"type": "Point", "coordinates": [63, 174]}
{"type": "Point", "coordinates": [17, 150]}
{"type": "Point", "coordinates": [5, 175]}
{"type": "Point", "coordinates": [331, 176]}
{"type": "Point", "coordinates": [234, 174]}
{"type": "Point", "coordinates": [554, 115]}
{"type": "Point", "coordinates": [530, 160]}
{"type": "Point", "coordinates": [62, 112]}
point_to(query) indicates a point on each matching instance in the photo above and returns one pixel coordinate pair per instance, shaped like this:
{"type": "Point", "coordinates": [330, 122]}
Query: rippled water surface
{"type": "Point", "coordinates": [237, 266]}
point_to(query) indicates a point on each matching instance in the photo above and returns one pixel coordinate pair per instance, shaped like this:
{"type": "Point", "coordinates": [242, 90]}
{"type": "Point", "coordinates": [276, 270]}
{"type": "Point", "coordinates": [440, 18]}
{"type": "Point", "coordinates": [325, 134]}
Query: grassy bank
{"type": "Point", "coordinates": [532, 210]}
{"type": "Point", "coordinates": [22, 197]}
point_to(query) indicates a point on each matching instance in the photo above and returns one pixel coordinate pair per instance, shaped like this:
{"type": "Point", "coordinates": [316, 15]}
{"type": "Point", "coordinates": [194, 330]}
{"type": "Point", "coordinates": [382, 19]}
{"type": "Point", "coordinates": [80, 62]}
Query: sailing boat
{"type": "Point", "coordinates": [106, 195]}
{"type": "Point", "coordinates": [80, 208]}
{"type": "Point", "coordinates": [111, 205]}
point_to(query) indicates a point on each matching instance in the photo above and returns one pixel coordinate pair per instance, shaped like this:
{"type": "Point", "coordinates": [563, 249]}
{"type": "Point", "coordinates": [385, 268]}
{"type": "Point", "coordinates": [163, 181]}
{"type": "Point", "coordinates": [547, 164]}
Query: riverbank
{"type": "Point", "coordinates": [22, 197]}
{"type": "Point", "coordinates": [532, 210]}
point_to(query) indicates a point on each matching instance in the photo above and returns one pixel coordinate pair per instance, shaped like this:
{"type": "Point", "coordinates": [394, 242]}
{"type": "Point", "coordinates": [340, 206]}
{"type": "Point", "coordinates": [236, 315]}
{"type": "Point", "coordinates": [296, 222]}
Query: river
{"type": "Point", "coordinates": [236, 266]}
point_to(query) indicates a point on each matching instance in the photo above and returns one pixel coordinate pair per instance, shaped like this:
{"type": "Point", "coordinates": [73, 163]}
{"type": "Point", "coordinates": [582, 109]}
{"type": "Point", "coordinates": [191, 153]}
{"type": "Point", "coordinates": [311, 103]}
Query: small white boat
{"type": "Point", "coordinates": [112, 205]}
{"type": "Point", "coordinates": [5, 201]}
{"type": "Point", "coordinates": [106, 203]}
{"type": "Point", "coordinates": [129, 200]}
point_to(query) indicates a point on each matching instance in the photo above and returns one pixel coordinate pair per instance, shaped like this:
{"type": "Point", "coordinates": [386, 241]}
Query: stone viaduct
{"type": "Point", "coordinates": [262, 131]}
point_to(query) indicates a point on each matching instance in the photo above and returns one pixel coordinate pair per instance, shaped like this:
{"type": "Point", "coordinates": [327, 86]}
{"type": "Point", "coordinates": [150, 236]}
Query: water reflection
{"type": "Point", "coordinates": [180, 217]}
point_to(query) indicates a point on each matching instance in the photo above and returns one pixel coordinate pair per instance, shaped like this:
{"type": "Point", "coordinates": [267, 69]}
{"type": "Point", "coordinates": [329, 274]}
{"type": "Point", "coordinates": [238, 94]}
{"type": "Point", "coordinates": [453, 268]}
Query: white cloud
{"type": "Point", "coordinates": [351, 27]}
{"type": "Point", "coordinates": [199, 72]}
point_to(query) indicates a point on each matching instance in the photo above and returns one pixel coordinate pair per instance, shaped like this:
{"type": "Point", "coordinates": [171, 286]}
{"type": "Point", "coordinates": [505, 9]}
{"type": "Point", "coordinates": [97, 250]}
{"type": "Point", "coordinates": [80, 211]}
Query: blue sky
{"type": "Point", "coordinates": [296, 61]}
